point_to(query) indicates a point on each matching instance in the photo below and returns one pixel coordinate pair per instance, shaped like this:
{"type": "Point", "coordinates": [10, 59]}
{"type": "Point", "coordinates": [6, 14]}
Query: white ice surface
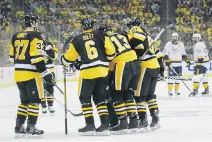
{"type": "Point", "coordinates": [182, 118]}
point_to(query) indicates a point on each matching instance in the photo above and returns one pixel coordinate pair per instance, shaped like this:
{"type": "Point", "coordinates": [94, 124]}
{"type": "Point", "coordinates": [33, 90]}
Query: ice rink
{"type": "Point", "coordinates": [182, 118]}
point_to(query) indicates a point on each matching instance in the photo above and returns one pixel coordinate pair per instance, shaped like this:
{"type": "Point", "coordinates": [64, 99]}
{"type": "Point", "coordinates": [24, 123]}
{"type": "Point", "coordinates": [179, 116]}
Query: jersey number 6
{"type": "Point", "coordinates": [91, 49]}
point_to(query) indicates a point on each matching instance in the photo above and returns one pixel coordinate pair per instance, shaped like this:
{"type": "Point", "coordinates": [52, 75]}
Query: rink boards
{"type": "Point", "coordinates": [6, 74]}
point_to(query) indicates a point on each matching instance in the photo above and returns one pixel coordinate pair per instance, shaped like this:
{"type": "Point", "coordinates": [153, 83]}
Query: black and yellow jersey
{"type": "Point", "coordinates": [95, 50]}
{"type": "Point", "coordinates": [140, 42]}
{"type": "Point", "coordinates": [124, 52]}
{"type": "Point", "coordinates": [51, 55]}
{"type": "Point", "coordinates": [26, 52]}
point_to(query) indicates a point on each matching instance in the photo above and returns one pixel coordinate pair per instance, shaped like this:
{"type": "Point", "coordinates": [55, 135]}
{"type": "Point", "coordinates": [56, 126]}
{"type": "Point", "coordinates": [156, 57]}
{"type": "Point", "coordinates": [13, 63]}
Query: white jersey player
{"type": "Point", "coordinates": [201, 60]}
{"type": "Point", "coordinates": [174, 54]}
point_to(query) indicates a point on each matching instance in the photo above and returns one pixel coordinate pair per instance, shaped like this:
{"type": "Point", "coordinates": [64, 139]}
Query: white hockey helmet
{"type": "Point", "coordinates": [174, 37]}
{"type": "Point", "coordinates": [196, 37]}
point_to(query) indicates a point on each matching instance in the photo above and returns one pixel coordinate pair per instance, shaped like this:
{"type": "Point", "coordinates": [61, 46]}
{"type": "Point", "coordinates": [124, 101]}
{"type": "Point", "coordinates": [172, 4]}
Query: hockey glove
{"type": "Point", "coordinates": [166, 60]}
{"type": "Point", "coordinates": [48, 77]}
{"type": "Point", "coordinates": [188, 63]}
{"type": "Point", "coordinates": [168, 63]}
{"type": "Point", "coordinates": [77, 64]}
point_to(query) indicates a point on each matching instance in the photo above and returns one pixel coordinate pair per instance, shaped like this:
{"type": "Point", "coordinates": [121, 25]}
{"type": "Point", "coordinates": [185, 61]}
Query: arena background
{"type": "Point", "coordinates": [61, 19]}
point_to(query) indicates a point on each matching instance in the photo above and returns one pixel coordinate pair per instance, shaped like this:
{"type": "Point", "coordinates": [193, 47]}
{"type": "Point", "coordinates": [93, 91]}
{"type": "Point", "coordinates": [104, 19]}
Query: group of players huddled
{"type": "Point", "coordinates": [118, 71]}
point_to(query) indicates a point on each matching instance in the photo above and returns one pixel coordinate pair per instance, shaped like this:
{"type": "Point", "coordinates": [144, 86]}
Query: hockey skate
{"type": "Point", "coordinates": [155, 121]}
{"type": "Point", "coordinates": [193, 93]}
{"type": "Point", "coordinates": [33, 132]}
{"type": "Point", "coordinates": [177, 93]}
{"type": "Point", "coordinates": [121, 128]}
{"type": "Point", "coordinates": [133, 125]}
{"type": "Point", "coordinates": [51, 109]}
{"type": "Point", "coordinates": [88, 130]}
{"type": "Point", "coordinates": [206, 92]}
{"type": "Point", "coordinates": [143, 125]}
{"type": "Point", "coordinates": [44, 110]}
{"type": "Point", "coordinates": [103, 130]}
{"type": "Point", "coordinates": [170, 94]}
{"type": "Point", "coordinates": [20, 131]}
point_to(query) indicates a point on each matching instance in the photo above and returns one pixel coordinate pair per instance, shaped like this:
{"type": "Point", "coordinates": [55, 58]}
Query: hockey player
{"type": "Point", "coordinates": [50, 53]}
{"type": "Point", "coordinates": [25, 52]}
{"type": "Point", "coordinates": [174, 54]}
{"type": "Point", "coordinates": [140, 42]}
{"type": "Point", "coordinates": [201, 60]}
{"type": "Point", "coordinates": [94, 49]}
{"type": "Point", "coordinates": [125, 74]}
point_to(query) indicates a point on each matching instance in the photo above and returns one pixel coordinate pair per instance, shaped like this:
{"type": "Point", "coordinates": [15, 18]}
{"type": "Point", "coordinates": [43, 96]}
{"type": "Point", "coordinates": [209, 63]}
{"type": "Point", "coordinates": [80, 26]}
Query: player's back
{"type": "Point", "coordinates": [123, 49]}
{"type": "Point", "coordinates": [140, 42]}
{"type": "Point", "coordinates": [90, 47]}
{"type": "Point", "coordinates": [24, 51]}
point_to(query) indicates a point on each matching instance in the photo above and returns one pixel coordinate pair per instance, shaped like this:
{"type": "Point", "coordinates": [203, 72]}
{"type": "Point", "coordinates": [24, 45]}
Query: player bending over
{"type": "Point", "coordinates": [150, 68]}
{"type": "Point", "coordinates": [125, 74]}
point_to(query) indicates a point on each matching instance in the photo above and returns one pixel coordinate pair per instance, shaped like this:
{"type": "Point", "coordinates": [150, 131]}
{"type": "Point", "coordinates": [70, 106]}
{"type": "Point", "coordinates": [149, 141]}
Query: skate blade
{"type": "Point", "coordinates": [104, 133]}
{"type": "Point", "coordinates": [30, 136]}
{"type": "Point", "coordinates": [144, 130]}
{"type": "Point", "coordinates": [157, 126]}
{"type": "Point", "coordinates": [120, 132]}
{"type": "Point", "coordinates": [44, 112]}
{"type": "Point", "coordinates": [206, 95]}
{"type": "Point", "coordinates": [133, 131]}
{"type": "Point", "coordinates": [192, 96]}
{"type": "Point", "coordinates": [18, 136]}
{"type": "Point", "coordinates": [91, 133]}
{"type": "Point", "coordinates": [52, 114]}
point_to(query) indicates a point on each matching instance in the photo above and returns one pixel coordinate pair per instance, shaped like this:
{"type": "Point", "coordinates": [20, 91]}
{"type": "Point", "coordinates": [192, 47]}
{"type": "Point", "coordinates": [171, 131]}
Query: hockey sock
{"type": "Point", "coordinates": [50, 100]}
{"type": "Point", "coordinates": [112, 114]}
{"type": "Point", "coordinates": [177, 86]}
{"type": "Point", "coordinates": [130, 107]}
{"type": "Point", "coordinates": [195, 85]}
{"type": "Point", "coordinates": [103, 112]}
{"type": "Point", "coordinates": [22, 113]}
{"type": "Point", "coordinates": [120, 110]}
{"type": "Point", "coordinates": [43, 102]}
{"type": "Point", "coordinates": [152, 105]}
{"type": "Point", "coordinates": [170, 85]}
{"type": "Point", "coordinates": [141, 109]}
{"type": "Point", "coordinates": [33, 111]}
{"type": "Point", "coordinates": [205, 84]}
{"type": "Point", "coordinates": [87, 110]}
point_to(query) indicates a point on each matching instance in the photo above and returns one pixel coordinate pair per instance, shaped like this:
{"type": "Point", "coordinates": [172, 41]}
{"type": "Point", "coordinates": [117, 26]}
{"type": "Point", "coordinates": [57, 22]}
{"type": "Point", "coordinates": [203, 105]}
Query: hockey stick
{"type": "Point", "coordinates": [156, 38]}
{"type": "Point", "coordinates": [179, 77]}
{"type": "Point", "coordinates": [185, 79]}
{"type": "Point", "coordinates": [74, 114]}
{"type": "Point", "coordinates": [65, 95]}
